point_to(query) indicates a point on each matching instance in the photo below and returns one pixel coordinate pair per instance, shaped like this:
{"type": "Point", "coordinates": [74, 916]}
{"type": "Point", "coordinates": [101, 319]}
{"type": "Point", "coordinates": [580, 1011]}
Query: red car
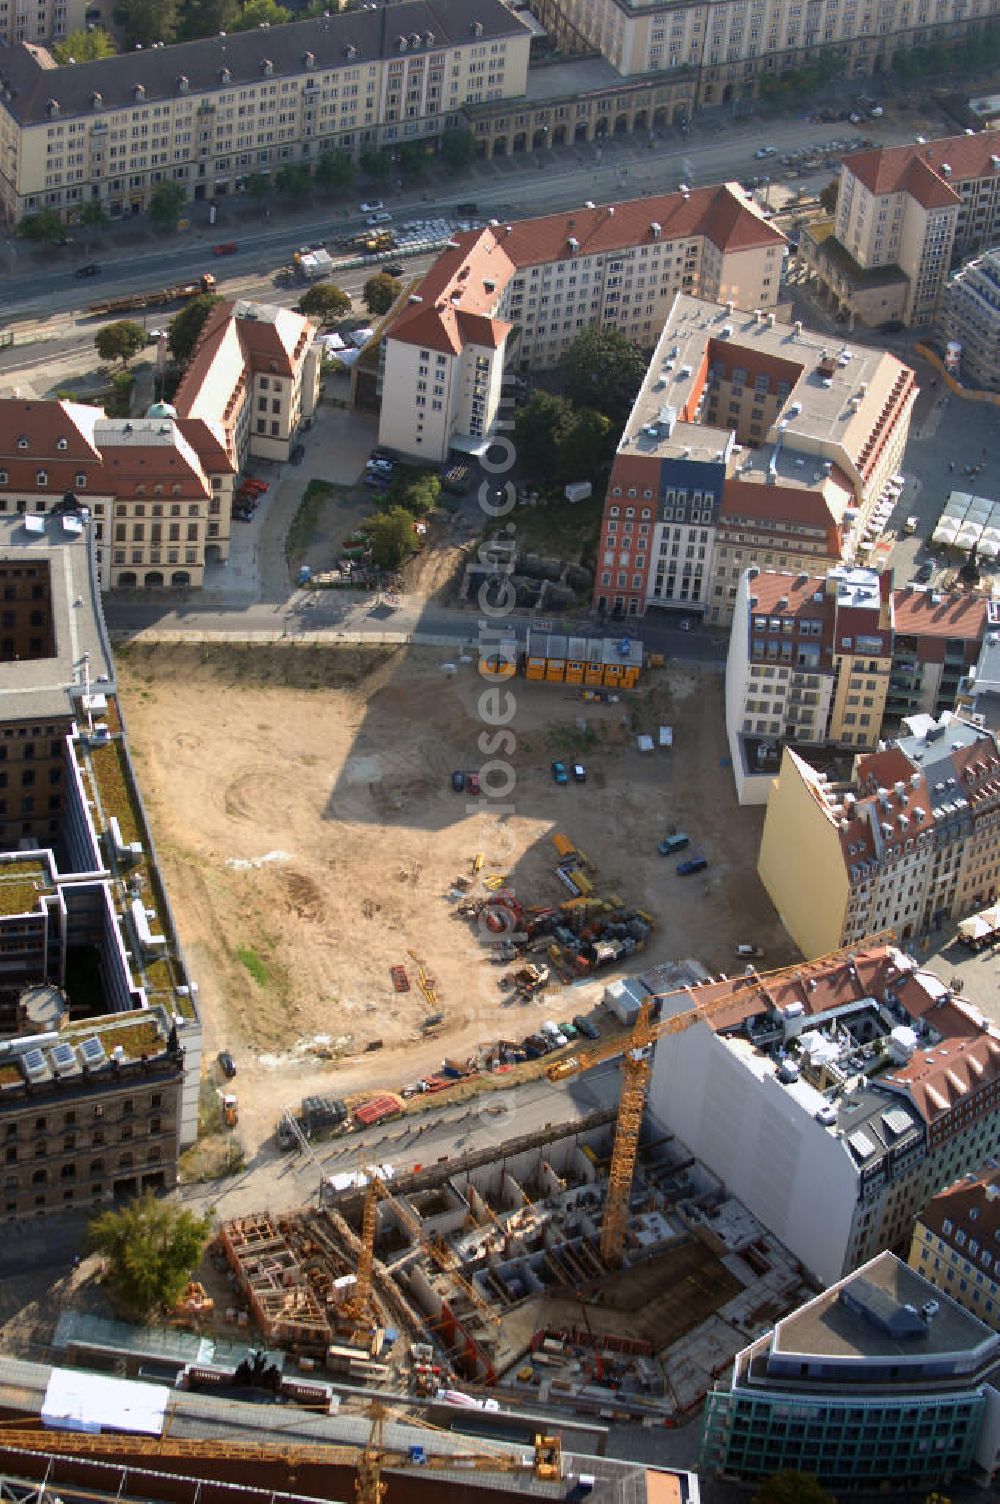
{"type": "Point", "coordinates": [227, 248]}
{"type": "Point", "coordinates": [472, 783]}
{"type": "Point", "coordinates": [251, 483]}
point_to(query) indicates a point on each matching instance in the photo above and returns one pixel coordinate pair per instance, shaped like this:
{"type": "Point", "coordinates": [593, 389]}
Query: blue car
{"type": "Point", "coordinates": [559, 772]}
{"type": "Point", "coordinates": [693, 864]}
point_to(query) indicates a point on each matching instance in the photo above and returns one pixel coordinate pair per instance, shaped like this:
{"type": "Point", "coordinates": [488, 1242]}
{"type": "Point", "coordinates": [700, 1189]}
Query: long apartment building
{"type": "Point", "coordinates": [517, 295]}
{"type": "Point", "coordinates": [911, 839]}
{"type": "Point", "coordinates": [100, 1041]}
{"type": "Point", "coordinates": [751, 441]}
{"type": "Point", "coordinates": [903, 213]}
{"type": "Point", "coordinates": [732, 45]}
{"type": "Point", "coordinates": [877, 1383]}
{"type": "Point", "coordinates": [159, 489]}
{"type": "Point", "coordinates": [832, 1101]}
{"type": "Point", "coordinates": [956, 1243]}
{"type": "Point", "coordinates": [827, 659]}
{"type": "Point", "coordinates": [208, 114]}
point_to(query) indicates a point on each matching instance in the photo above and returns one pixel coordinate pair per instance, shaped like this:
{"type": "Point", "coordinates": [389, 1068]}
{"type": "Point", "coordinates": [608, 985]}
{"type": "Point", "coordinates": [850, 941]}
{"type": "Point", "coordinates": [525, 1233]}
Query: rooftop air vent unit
{"type": "Point", "coordinates": [65, 1059]}
{"type": "Point", "coordinates": [34, 1065]}
{"type": "Point", "coordinates": [797, 326]}
{"type": "Point", "coordinates": [93, 1054]}
{"type": "Point", "coordinates": [726, 331]}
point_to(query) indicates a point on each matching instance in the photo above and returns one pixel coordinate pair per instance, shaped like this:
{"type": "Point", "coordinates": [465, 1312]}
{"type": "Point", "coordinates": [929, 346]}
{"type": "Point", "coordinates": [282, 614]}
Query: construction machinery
{"type": "Point", "coordinates": [230, 1110]}
{"type": "Point", "coordinates": [134, 302]}
{"type": "Point", "coordinates": [360, 1305]}
{"type": "Point", "coordinates": [110, 1448]}
{"type": "Point", "coordinates": [637, 1068]}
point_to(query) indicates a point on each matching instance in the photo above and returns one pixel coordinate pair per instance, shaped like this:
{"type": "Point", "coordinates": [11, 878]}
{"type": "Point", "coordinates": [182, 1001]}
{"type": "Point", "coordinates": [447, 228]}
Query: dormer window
{"type": "Point", "coordinates": [80, 481]}
{"type": "Point", "coordinates": [183, 84]}
{"type": "Point", "coordinates": [225, 77]}
{"type": "Point", "coordinates": [140, 490]}
{"type": "Point", "coordinates": [308, 59]}
{"type": "Point", "coordinates": [429, 39]}
{"type": "Point", "coordinates": [3, 477]}
{"type": "Point", "coordinates": [96, 100]}
{"type": "Point", "coordinates": [22, 442]}
{"type": "Point", "coordinates": [138, 91]}
{"type": "Point", "coordinates": [42, 478]}
{"type": "Point", "coordinates": [350, 50]}
{"type": "Point", "coordinates": [53, 109]}
{"type": "Point", "coordinates": [62, 443]}
{"type": "Point", "coordinates": [266, 67]}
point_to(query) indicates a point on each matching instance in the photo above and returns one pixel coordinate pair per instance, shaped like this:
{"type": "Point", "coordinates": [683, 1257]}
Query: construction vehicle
{"type": "Point", "coordinates": [136, 301]}
{"type": "Point", "coordinates": [636, 1058]}
{"type": "Point", "coordinates": [230, 1110]}
{"type": "Point", "coordinates": [371, 241]}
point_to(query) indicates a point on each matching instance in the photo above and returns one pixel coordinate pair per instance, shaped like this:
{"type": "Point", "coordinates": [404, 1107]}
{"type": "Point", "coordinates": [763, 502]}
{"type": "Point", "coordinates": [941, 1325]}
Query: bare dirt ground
{"type": "Point", "coordinates": [302, 807]}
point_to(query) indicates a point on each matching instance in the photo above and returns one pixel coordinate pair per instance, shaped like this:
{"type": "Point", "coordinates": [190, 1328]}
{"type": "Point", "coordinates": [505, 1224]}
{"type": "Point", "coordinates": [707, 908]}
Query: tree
{"type": "Point", "coordinates": [206, 18]}
{"type": "Point", "coordinates": [325, 302]}
{"type": "Point", "coordinates": [828, 196]}
{"type": "Point", "coordinates": [458, 149]}
{"type": "Point", "coordinates": [261, 13]}
{"type": "Point", "coordinates": [380, 292]}
{"type": "Point", "coordinates": [295, 181]}
{"type": "Point", "coordinates": [151, 1247]}
{"type": "Point", "coordinates": [792, 1488]}
{"type": "Point", "coordinates": [412, 159]}
{"type": "Point", "coordinates": [120, 341]}
{"type": "Point", "coordinates": [93, 214]}
{"type": "Point", "coordinates": [165, 204]}
{"type": "Point", "coordinates": [375, 163]}
{"type": "Point", "coordinates": [585, 446]}
{"type": "Point", "coordinates": [44, 228]}
{"type": "Point", "coordinates": [416, 491]}
{"type": "Point", "coordinates": [334, 170]}
{"type": "Point", "coordinates": [536, 426]}
{"type": "Point", "coordinates": [604, 370]}
{"type": "Point", "coordinates": [258, 185]}
{"type": "Point", "coordinates": [84, 47]}
{"type": "Point", "coordinates": [147, 21]}
{"type": "Point", "coordinates": [184, 329]}
{"type": "Point", "coordinates": [391, 537]}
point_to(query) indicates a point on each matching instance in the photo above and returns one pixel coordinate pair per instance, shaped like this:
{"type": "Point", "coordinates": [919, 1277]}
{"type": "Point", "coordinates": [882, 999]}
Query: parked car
{"type": "Point", "coordinates": [394, 269]}
{"type": "Point", "coordinates": [579, 773]}
{"type": "Point", "coordinates": [90, 270]}
{"type": "Point", "coordinates": [458, 781]}
{"type": "Point", "coordinates": [924, 573]}
{"type": "Point", "coordinates": [225, 248]}
{"type": "Point", "coordinates": [585, 1027]}
{"type": "Point", "coordinates": [383, 466]}
{"type": "Point", "coordinates": [383, 217]}
{"type": "Point", "coordinates": [693, 864]}
{"type": "Point", "coordinates": [754, 952]}
{"type": "Point", "coordinates": [559, 772]}
{"type": "Point", "coordinates": [673, 843]}
{"type": "Point", "coordinates": [373, 207]}
{"type": "Point", "coordinates": [472, 783]}
{"type": "Point", "coordinates": [466, 209]}
{"type": "Point", "coordinates": [377, 480]}
{"type": "Point", "coordinates": [298, 454]}
{"type": "Point", "coordinates": [227, 1064]}
{"type": "Point", "coordinates": [910, 526]}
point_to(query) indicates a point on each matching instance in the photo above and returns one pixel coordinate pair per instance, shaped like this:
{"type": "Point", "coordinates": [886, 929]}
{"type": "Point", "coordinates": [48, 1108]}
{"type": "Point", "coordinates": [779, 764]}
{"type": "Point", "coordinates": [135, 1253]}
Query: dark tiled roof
{"type": "Point", "coordinates": [28, 81]}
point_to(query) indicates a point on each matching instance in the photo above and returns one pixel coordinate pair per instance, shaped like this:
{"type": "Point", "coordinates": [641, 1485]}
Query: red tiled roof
{"type": "Point", "coordinates": [971, 1205]}
{"type": "Point", "coordinates": [470, 276]}
{"type": "Point", "coordinates": [922, 613]}
{"type": "Point", "coordinates": [944, 1076]}
{"type": "Point", "coordinates": [790, 504]}
{"type": "Point", "coordinates": [916, 169]}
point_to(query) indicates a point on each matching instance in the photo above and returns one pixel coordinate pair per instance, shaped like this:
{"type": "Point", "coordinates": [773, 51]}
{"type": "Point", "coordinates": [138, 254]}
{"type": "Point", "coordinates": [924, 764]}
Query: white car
{"type": "Point", "coordinates": [382, 218]}
{"type": "Point", "coordinates": [372, 208]}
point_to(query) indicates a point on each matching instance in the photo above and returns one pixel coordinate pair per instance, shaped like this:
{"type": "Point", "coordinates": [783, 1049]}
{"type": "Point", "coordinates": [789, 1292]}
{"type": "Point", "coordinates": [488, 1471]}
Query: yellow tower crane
{"type": "Point", "coordinates": [637, 1068]}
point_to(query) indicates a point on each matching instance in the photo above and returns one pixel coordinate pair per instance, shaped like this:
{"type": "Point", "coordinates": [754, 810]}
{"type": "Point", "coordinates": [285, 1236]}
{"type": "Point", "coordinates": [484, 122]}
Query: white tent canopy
{"type": "Point", "coordinates": [79, 1401]}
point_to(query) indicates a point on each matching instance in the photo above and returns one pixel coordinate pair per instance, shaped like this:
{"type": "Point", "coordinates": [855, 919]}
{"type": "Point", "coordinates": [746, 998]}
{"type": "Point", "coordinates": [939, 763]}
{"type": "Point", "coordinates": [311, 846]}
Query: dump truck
{"type": "Point", "coordinates": [230, 1110]}
{"type": "Point", "coordinates": [370, 241]}
{"type": "Point", "coordinates": [134, 302]}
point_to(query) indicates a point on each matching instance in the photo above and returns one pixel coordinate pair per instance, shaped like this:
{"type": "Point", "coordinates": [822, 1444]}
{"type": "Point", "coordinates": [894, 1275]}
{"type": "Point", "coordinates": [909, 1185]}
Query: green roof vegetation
{"type": "Point", "coordinates": [108, 766]}
{"type": "Point", "coordinates": [22, 884]}
{"type": "Point", "coordinates": [138, 1034]}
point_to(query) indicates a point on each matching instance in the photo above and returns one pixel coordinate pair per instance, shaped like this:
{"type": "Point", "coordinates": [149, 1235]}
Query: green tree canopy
{"type": "Point", "coordinates": [325, 301]}
{"type": "Point", "coordinates": [458, 149]}
{"type": "Point", "coordinates": [295, 181]}
{"type": "Point", "coordinates": [375, 163]}
{"type": "Point", "coordinates": [44, 228]}
{"type": "Point", "coordinates": [380, 292]}
{"type": "Point", "coordinates": [391, 537]}
{"type": "Point", "coordinates": [147, 21]}
{"type": "Point", "coordinates": [83, 47]}
{"type": "Point", "coordinates": [334, 170]}
{"type": "Point", "coordinates": [416, 491]}
{"type": "Point", "coordinates": [258, 12]}
{"type": "Point", "coordinates": [792, 1488]}
{"type": "Point", "coordinates": [184, 329]}
{"type": "Point", "coordinates": [604, 370]}
{"type": "Point", "coordinates": [258, 185]}
{"type": "Point", "coordinates": [120, 341]}
{"type": "Point", "coordinates": [536, 426]}
{"type": "Point", "coordinates": [165, 204]}
{"type": "Point", "coordinates": [412, 159]}
{"type": "Point", "coordinates": [206, 18]}
{"type": "Point", "coordinates": [828, 196]}
{"type": "Point", "coordinates": [93, 213]}
{"type": "Point", "coordinates": [151, 1247]}
{"type": "Point", "coordinates": [585, 446]}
